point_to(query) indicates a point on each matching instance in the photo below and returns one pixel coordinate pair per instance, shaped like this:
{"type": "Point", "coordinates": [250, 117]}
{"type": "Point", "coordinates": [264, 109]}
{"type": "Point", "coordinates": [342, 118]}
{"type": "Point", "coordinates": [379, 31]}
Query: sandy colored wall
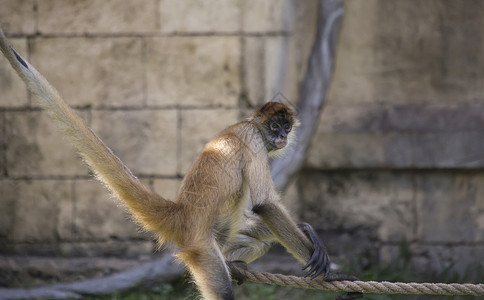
{"type": "Point", "coordinates": [397, 155]}
{"type": "Point", "coordinates": [399, 151]}
{"type": "Point", "coordinates": [156, 81]}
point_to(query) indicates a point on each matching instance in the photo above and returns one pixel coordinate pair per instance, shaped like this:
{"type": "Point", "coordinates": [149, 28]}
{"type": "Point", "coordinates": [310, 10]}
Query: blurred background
{"type": "Point", "coordinates": [394, 174]}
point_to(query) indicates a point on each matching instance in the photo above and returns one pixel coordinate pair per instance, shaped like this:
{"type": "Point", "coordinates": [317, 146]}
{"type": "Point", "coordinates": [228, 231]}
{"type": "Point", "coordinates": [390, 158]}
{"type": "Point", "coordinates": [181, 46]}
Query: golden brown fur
{"type": "Point", "coordinates": [209, 222]}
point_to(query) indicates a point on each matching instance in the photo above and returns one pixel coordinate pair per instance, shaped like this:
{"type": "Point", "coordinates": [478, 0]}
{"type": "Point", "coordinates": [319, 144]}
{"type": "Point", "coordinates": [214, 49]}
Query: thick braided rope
{"type": "Point", "coordinates": [368, 287]}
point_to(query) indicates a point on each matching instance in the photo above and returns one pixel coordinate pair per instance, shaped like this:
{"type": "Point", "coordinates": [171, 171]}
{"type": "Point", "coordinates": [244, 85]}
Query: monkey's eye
{"type": "Point", "coordinates": [287, 127]}
{"type": "Point", "coordinates": [274, 126]}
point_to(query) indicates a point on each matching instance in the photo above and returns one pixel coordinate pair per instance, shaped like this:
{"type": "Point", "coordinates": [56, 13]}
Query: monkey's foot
{"type": "Point", "coordinates": [340, 277]}
{"type": "Point", "coordinates": [235, 268]}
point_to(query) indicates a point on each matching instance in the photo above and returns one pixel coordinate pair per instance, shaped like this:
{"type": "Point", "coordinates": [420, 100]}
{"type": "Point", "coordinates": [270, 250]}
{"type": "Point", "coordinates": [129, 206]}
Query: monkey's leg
{"type": "Point", "coordinates": [251, 242]}
{"type": "Point", "coordinates": [241, 250]}
{"type": "Point", "coordinates": [245, 248]}
{"type": "Point", "coordinates": [208, 269]}
{"type": "Point", "coordinates": [248, 244]}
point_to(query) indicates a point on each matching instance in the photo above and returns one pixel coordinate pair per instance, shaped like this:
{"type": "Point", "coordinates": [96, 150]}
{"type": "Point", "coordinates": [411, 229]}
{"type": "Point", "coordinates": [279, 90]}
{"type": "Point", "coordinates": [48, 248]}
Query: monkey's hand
{"type": "Point", "coordinates": [319, 261]}
{"type": "Point", "coordinates": [235, 268]}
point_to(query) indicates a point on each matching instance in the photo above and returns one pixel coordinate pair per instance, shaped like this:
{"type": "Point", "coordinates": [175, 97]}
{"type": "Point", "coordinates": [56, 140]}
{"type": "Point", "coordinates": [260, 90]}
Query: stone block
{"type": "Point", "coordinates": [271, 69]}
{"type": "Point", "coordinates": [333, 150]}
{"type": "Point", "coordinates": [401, 118]}
{"type": "Point", "coordinates": [276, 64]}
{"type": "Point", "coordinates": [99, 216]}
{"type": "Point", "coordinates": [386, 58]}
{"type": "Point", "coordinates": [291, 199]}
{"type": "Point", "coordinates": [126, 249]}
{"type": "Point", "coordinates": [461, 260]}
{"type": "Point", "coordinates": [193, 71]}
{"type": "Point", "coordinates": [109, 248]}
{"type": "Point", "coordinates": [389, 253]}
{"type": "Point", "coordinates": [35, 147]}
{"type": "Point", "coordinates": [281, 80]}
{"type": "Point", "coordinates": [45, 270]}
{"type": "Point", "coordinates": [43, 210]}
{"type": "Point", "coordinates": [402, 136]}
{"type": "Point", "coordinates": [9, 191]}
{"type": "Point", "coordinates": [382, 202]}
{"type": "Point", "coordinates": [96, 16]}
{"type": "Point", "coordinates": [254, 70]}
{"type": "Point", "coordinates": [41, 248]}
{"type": "Point", "coordinates": [433, 118]}
{"type": "Point", "coordinates": [450, 207]}
{"type": "Point", "coordinates": [303, 32]}
{"type": "Point", "coordinates": [145, 140]}
{"type": "Point", "coordinates": [168, 188]}
{"type": "Point", "coordinates": [262, 16]}
{"type": "Point", "coordinates": [435, 150]}
{"type": "Point", "coordinates": [14, 92]}
{"type": "Point", "coordinates": [3, 146]}
{"type": "Point", "coordinates": [468, 260]}
{"type": "Point", "coordinates": [93, 71]}
{"type": "Point", "coordinates": [220, 16]}
{"type": "Point", "coordinates": [198, 127]}
{"type": "Point", "coordinates": [18, 16]}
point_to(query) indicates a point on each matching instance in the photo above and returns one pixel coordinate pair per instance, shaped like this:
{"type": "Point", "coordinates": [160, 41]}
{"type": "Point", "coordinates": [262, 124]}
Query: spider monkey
{"type": "Point", "coordinates": [208, 223]}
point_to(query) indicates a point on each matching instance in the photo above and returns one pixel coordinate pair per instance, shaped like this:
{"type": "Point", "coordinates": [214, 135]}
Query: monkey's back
{"type": "Point", "coordinates": [212, 190]}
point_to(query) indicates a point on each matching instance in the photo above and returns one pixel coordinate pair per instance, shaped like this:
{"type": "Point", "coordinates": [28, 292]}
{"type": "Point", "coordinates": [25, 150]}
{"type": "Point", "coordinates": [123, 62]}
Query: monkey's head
{"type": "Point", "coordinates": [276, 121]}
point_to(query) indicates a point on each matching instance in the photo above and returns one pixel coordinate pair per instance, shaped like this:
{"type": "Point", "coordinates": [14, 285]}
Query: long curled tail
{"type": "Point", "coordinates": [148, 207]}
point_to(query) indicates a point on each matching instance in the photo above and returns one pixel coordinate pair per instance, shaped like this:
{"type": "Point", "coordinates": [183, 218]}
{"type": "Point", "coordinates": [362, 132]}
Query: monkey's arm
{"type": "Point", "coordinates": [267, 206]}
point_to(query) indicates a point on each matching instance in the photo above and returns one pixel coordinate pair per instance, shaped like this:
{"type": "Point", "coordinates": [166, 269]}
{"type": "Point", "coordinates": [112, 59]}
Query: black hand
{"type": "Point", "coordinates": [319, 260]}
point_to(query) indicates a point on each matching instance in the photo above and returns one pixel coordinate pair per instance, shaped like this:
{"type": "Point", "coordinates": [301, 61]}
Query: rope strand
{"type": "Point", "coordinates": [366, 287]}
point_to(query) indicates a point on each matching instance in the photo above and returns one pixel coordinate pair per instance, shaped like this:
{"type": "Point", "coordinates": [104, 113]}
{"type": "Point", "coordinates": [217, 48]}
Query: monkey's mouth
{"type": "Point", "coordinates": [280, 143]}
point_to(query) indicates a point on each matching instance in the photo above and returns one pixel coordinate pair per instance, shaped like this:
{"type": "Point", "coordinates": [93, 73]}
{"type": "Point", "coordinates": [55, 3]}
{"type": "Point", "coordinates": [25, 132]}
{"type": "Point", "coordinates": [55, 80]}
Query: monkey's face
{"type": "Point", "coordinates": [275, 120]}
{"type": "Point", "coordinates": [277, 130]}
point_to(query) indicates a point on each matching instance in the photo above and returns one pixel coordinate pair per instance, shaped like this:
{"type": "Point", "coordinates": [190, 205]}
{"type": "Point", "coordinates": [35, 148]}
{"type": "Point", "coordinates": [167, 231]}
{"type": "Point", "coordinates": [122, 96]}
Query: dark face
{"type": "Point", "coordinates": [277, 129]}
{"type": "Point", "coordinates": [275, 120]}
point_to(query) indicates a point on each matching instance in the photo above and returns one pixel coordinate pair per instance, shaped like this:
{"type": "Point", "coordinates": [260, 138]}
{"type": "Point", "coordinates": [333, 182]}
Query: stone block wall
{"type": "Point", "coordinates": [155, 79]}
{"type": "Point", "coordinates": [399, 150]}
{"type": "Point", "coordinates": [397, 155]}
